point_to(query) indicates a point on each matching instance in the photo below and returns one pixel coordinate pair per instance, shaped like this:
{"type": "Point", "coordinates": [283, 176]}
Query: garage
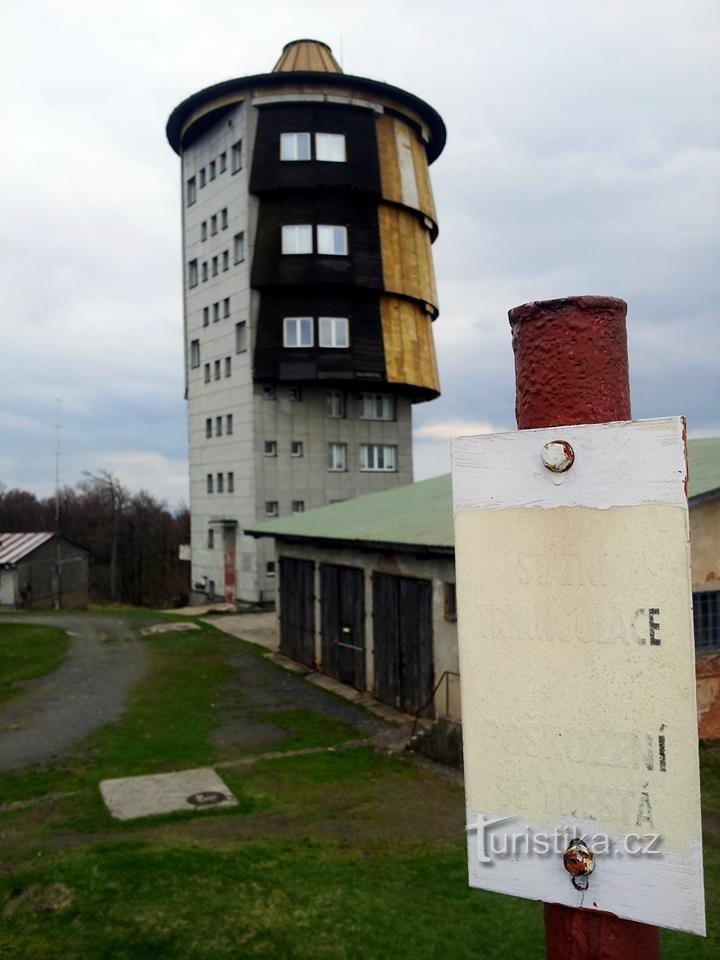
{"type": "Point", "coordinates": [297, 610]}
{"type": "Point", "coordinates": [342, 604]}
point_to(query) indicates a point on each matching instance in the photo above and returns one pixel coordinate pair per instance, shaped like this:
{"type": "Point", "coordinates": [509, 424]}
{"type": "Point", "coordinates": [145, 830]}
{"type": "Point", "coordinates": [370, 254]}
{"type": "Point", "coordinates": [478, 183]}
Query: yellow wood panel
{"type": "Point", "coordinates": [392, 134]}
{"type": "Point", "coordinates": [406, 256]}
{"type": "Point", "coordinates": [408, 343]}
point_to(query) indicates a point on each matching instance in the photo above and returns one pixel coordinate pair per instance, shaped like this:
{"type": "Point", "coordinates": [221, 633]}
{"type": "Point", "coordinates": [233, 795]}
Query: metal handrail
{"type": "Point", "coordinates": [446, 674]}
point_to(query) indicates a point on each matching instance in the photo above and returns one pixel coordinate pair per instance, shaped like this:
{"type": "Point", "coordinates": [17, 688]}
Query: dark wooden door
{"type": "Point", "coordinates": [297, 610]}
{"type": "Point", "coordinates": [342, 604]}
{"type": "Point", "coordinates": [403, 642]}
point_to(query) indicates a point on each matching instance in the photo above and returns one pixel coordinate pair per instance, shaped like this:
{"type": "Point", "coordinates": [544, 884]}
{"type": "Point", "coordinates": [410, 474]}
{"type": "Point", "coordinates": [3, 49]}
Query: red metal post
{"type": "Point", "coordinates": [571, 366]}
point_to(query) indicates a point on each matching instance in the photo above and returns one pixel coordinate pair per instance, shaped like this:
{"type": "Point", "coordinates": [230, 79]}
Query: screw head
{"type": "Point", "coordinates": [579, 861]}
{"type": "Point", "coordinates": [558, 456]}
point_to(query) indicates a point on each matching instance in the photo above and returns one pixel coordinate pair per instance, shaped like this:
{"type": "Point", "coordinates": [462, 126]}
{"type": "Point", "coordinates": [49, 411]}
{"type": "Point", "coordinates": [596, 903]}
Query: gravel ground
{"type": "Point", "coordinates": [88, 690]}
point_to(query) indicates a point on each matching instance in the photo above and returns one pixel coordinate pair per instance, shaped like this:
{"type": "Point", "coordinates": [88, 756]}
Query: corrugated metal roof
{"type": "Point", "coordinates": [15, 546]}
{"type": "Point", "coordinates": [704, 466]}
{"type": "Point", "coordinates": [420, 514]}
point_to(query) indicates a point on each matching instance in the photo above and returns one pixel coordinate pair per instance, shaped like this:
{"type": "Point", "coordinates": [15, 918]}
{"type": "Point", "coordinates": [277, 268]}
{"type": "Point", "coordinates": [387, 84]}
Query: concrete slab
{"type": "Point", "coordinates": [128, 798]}
{"type": "Point", "coordinates": [260, 628]}
{"type": "Point", "coordinates": [201, 609]}
{"type": "Point", "coordinates": [325, 682]}
{"type": "Point", "coordinates": [286, 663]}
{"type": "Point", "coordinates": [168, 628]}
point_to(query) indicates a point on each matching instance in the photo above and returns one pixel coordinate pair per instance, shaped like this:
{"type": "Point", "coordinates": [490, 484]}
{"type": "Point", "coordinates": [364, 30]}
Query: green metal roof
{"type": "Point", "coordinates": [419, 515]}
{"type": "Point", "coordinates": [704, 466]}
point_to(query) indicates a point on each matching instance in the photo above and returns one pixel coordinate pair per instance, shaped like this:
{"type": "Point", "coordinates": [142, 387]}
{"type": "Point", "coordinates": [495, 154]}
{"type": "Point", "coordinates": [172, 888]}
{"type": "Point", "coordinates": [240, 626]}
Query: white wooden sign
{"type": "Point", "coordinates": [577, 667]}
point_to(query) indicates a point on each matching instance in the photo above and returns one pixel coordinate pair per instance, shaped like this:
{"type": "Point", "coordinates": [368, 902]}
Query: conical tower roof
{"type": "Point", "coordinates": [307, 55]}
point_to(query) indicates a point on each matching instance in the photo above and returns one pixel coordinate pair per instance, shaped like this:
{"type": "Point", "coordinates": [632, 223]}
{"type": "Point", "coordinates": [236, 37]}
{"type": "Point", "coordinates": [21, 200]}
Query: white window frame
{"type": "Point", "coordinates": [192, 273]}
{"type": "Point", "coordinates": [271, 508]}
{"type": "Point", "coordinates": [296, 448]}
{"type": "Point", "coordinates": [290, 146]}
{"type": "Point", "coordinates": [332, 145]}
{"type": "Point", "coordinates": [231, 482]}
{"type": "Point", "coordinates": [191, 191]}
{"type": "Point", "coordinates": [270, 568]}
{"type": "Point", "coordinates": [194, 354]}
{"type": "Point", "coordinates": [236, 156]}
{"type": "Point", "coordinates": [208, 427]}
{"type": "Point", "coordinates": [241, 336]}
{"type": "Point", "coordinates": [239, 247]}
{"type": "Point", "coordinates": [209, 483]}
{"type": "Point", "coordinates": [218, 425]}
{"type": "Point", "coordinates": [332, 239]}
{"type": "Point", "coordinates": [335, 400]}
{"type": "Point", "coordinates": [376, 406]}
{"type": "Point", "coordinates": [337, 457]}
{"type": "Point", "coordinates": [329, 330]}
{"type": "Point", "coordinates": [270, 448]}
{"type": "Point", "coordinates": [293, 330]}
{"type": "Point", "coordinates": [296, 239]}
{"type": "Point", "coordinates": [378, 458]}
{"type": "Point", "coordinates": [298, 506]}
{"type": "Point", "coordinates": [229, 424]}
{"type": "Point", "coordinates": [228, 366]}
{"type": "Point", "coordinates": [219, 484]}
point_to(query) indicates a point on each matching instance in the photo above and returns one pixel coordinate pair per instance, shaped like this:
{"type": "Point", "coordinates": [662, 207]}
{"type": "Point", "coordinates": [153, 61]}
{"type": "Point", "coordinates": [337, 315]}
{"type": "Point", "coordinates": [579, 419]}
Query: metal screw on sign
{"type": "Point", "coordinates": [579, 861]}
{"type": "Point", "coordinates": [558, 456]}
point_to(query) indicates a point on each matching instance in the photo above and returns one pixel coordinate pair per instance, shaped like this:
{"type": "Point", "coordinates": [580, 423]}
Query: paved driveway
{"type": "Point", "coordinates": [88, 690]}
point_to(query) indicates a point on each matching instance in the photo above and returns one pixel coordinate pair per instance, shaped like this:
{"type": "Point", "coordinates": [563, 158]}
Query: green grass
{"type": "Point", "coordinates": [28, 651]}
{"type": "Point", "coordinates": [343, 854]}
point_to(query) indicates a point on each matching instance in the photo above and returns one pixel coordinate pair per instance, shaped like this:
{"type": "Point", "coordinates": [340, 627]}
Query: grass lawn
{"type": "Point", "coordinates": [340, 853]}
{"type": "Point", "coordinates": [28, 651]}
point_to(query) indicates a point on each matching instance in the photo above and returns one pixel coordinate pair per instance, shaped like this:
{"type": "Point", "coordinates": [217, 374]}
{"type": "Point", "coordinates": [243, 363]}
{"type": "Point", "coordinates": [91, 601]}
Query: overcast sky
{"type": "Point", "coordinates": [583, 156]}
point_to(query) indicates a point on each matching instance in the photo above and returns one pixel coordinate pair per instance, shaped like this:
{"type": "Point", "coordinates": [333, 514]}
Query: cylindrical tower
{"type": "Point", "coordinates": [309, 298]}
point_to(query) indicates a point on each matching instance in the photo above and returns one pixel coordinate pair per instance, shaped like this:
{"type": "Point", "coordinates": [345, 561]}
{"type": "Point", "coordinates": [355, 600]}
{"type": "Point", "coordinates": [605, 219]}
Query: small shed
{"type": "Point", "coordinates": [42, 571]}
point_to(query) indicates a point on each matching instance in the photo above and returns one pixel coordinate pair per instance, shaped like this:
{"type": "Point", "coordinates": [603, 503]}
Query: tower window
{"type": "Point", "coordinates": [377, 457]}
{"type": "Point", "coordinates": [202, 177]}
{"type": "Point", "coordinates": [194, 353]}
{"type": "Point", "coordinates": [203, 230]}
{"type": "Point", "coordinates": [240, 337]}
{"type": "Point", "coordinates": [337, 456]}
{"type": "Point", "coordinates": [330, 146]}
{"type": "Point", "coordinates": [207, 373]}
{"type": "Point", "coordinates": [296, 448]}
{"type": "Point", "coordinates": [209, 483]}
{"type": "Point", "coordinates": [295, 394]}
{"type": "Point", "coordinates": [226, 259]}
{"type": "Point", "coordinates": [294, 146]}
{"type": "Point", "coordinates": [226, 307]}
{"type": "Point", "coordinates": [211, 538]}
{"type": "Point", "coordinates": [333, 332]}
{"type": "Point", "coordinates": [208, 427]}
{"type": "Point", "coordinates": [376, 406]}
{"type": "Point", "coordinates": [228, 366]}
{"type": "Point", "coordinates": [298, 331]}
{"type": "Point", "coordinates": [271, 508]}
{"type": "Point", "coordinates": [298, 506]}
{"type": "Point", "coordinates": [212, 170]}
{"type": "Point", "coordinates": [231, 482]}
{"type": "Point", "coordinates": [206, 316]}
{"type": "Point", "coordinates": [335, 404]}
{"type": "Point", "coordinates": [270, 567]}
{"type": "Point", "coordinates": [332, 240]}
{"type": "Point", "coordinates": [216, 370]}
{"type": "Point", "coordinates": [229, 424]}
{"type": "Point", "coordinates": [239, 247]}
{"type": "Point", "coordinates": [191, 191]}
{"type": "Point", "coordinates": [213, 225]}
{"type": "Point", "coordinates": [204, 271]}
{"type": "Point", "coordinates": [269, 392]}
{"type": "Point", "coordinates": [218, 426]}
{"type": "Point", "coordinates": [216, 312]}
{"type": "Point", "coordinates": [297, 238]}
{"type": "Point", "coordinates": [236, 157]}
{"type": "Point", "coordinates": [219, 483]}
{"type": "Point", "coordinates": [193, 273]}
{"type": "Point", "coordinates": [214, 266]}
{"type": "Point", "coordinates": [270, 448]}
{"type": "Point", "coordinates": [222, 160]}
{"type": "Point", "coordinates": [224, 218]}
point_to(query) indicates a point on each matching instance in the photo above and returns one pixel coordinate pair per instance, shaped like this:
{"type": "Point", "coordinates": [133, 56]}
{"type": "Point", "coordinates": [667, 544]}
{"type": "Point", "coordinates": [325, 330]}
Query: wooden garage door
{"type": "Point", "coordinates": [402, 638]}
{"type": "Point", "coordinates": [342, 604]}
{"type": "Point", "coordinates": [297, 610]}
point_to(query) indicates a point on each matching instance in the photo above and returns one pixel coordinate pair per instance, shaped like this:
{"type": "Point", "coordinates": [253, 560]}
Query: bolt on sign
{"type": "Point", "coordinates": [577, 668]}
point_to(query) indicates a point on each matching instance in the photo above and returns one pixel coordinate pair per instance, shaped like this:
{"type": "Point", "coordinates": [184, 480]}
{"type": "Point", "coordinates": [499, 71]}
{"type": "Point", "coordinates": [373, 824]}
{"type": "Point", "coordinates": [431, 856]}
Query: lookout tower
{"type": "Point", "coordinates": [309, 298]}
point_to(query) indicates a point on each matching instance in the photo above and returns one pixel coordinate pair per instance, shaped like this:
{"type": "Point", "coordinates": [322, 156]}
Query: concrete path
{"type": "Point", "coordinates": [88, 690]}
{"type": "Point", "coordinates": [260, 628]}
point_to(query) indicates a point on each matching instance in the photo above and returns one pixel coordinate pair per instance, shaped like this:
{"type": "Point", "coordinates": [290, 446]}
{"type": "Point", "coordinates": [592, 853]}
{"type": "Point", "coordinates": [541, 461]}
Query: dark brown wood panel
{"type": "Point", "coordinates": [342, 604]}
{"type": "Point", "coordinates": [403, 642]}
{"type": "Point", "coordinates": [297, 610]}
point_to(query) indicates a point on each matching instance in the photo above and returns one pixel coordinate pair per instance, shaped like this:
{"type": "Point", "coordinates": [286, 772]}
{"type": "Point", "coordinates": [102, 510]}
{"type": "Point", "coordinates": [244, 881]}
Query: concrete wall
{"type": "Point", "coordinates": [440, 570]}
{"type": "Point", "coordinates": [705, 545]}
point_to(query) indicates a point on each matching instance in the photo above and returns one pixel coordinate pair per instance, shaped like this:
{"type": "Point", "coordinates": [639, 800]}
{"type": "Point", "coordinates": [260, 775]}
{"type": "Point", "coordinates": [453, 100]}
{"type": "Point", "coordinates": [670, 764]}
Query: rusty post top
{"type": "Point", "coordinates": [527, 311]}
